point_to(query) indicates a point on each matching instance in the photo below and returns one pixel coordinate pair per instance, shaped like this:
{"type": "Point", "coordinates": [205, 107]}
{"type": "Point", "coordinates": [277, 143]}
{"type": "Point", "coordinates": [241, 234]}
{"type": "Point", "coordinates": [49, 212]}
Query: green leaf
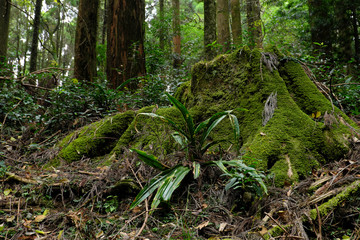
{"type": "Point", "coordinates": [186, 115]}
{"type": "Point", "coordinates": [210, 144]}
{"type": "Point", "coordinates": [196, 169]}
{"type": "Point", "coordinates": [179, 138]}
{"type": "Point", "coordinates": [150, 160]}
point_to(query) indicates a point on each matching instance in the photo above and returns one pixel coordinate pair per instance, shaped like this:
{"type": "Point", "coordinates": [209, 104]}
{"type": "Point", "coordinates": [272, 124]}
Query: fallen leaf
{"type": "Point", "coordinates": [39, 218]}
{"type": "Point", "coordinates": [263, 231]}
{"type": "Point", "coordinates": [1, 227]}
{"type": "Point", "coordinates": [262, 134]}
{"type": "Point", "coordinates": [202, 225]}
{"type": "Point", "coordinates": [10, 219]}
{"type": "Point", "coordinates": [222, 226]}
{"type": "Point", "coordinates": [101, 233]}
{"type": "Point", "coordinates": [7, 191]}
{"type": "Point", "coordinates": [60, 234]}
{"type": "Point", "coordinates": [41, 232]}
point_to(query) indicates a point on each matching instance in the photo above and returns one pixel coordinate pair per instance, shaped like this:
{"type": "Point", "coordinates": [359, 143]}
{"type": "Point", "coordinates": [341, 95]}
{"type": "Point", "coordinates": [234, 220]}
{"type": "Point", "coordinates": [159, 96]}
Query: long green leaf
{"type": "Point", "coordinates": [210, 144]}
{"type": "Point", "coordinates": [124, 83]}
{"type": "Point", "coordinates": [147, 190]}
{"type": "Point", "coordinates": [196, 169]}
{"type": "Point", "coordinates": [210, 128]}
{"type": "Point", "coordinates": [172, 182]}
{"type": "Point", "coordinates": [150, 160]}
{"type": "Point", "coordinates": [209, 121]}
{"type": "Point", "coordinates": [186, 115]}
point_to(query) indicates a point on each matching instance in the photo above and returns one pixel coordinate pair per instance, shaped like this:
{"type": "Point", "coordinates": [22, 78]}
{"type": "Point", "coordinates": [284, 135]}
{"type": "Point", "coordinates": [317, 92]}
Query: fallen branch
{"type": "Point", "coordinates": [13, 176]}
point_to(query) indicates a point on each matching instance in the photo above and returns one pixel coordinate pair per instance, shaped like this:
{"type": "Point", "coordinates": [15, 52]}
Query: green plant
{"type": "Point", "coordinates": [194, 139]}
{"type": "Point", "coordinates": [243, 176]}
{"type": "Point", "coordinates": [3, 168]}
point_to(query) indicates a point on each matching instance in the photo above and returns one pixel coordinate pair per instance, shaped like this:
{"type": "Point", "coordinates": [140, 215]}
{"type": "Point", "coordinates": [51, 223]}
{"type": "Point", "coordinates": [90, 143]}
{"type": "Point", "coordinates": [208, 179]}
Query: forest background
{"type": "Point", "coordinates": [64, 64]}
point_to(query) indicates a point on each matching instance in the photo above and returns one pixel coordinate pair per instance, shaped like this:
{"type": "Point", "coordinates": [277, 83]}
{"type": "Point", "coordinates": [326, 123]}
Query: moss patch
{"type": "Point", "coordinates": [95, 139]}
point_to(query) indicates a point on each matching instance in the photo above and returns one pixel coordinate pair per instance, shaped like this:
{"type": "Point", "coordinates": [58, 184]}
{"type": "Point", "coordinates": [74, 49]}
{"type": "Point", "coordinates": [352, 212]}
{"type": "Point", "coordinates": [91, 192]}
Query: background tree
{"type": "Point", "coordinates": [4, 29]}
{"type": "Point", "coordinates": [253, 11]}
{"type": "Point", "coordinates": [85, 40]}
{"type": "Point", "coordinates": [320, 23]}
{"type": "Point", "coordinates": [161, 29]}
{"type": "Point", "coordinates": [236, 27]}
{"type": "Point", "coordinates": [223, 28]}
{"type": "Point", "coordinates": [125, 41]}
{"type": "Point", "coordinates": [209, 28]}
{"type": "Point", "coordinates": [176, 33]}
{"type": "Point", "coordinates": [35, 36]}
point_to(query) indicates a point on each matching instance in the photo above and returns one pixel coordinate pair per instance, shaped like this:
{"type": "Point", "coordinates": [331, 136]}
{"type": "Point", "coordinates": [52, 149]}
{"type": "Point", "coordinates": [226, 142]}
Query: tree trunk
{"type": "Point", "coordinates": [35, 37]}
{"type": "Point", "coordinates": [321, 27]}
{"type": "Point", "coordinates": [103, 34]}
{"type": "Point", "coordinates": [253, 12]}
{"type": "Point", "coordinates": [356, 34]}
{"type": "Point", "coordinates": [162, 30]}
{"type": "Point", "coordinates": [223, 28]}
{"type": "Point", "coordinates": [236, 22]}
{"type": "Point", "coordinates": [85, 40]}
{"type": "Point", "coordinates": [209, 28]}
{"type": "Point", "coordinates": [4, 29]}
{"type": "Point", "coordinates": [343, 28]}
{"type": "Point", "coordinates": [125, 45]}
{"type": "Point", "coordinates": [176, 34]}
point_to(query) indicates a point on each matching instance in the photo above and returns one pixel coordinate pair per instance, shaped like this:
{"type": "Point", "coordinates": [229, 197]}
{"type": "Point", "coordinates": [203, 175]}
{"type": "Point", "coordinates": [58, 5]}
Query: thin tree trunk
{"type": "Point", "coordinates": [125, 42]}
{"type": "Point", "coordinates": [103, 34]}
{"type": "Point", "coordinates": [176, 34]}
{"type": "Point", "coordinates": [209, 28]}
{"type": "Point", "coordinates": [223, 28]}
{"type": "Point", "coordinates": [253, 12]}
{"type": "Point", "coordinates": [343, 25]}
{"type": "Point", "coordinates": [356, 34]}
{"type": "Point", "coordinates": [4, 29]}
{"type": "Point", "coordinates": [35, 37]}
{"type": "Point", "coordinates": [85, 40]}
{"type": "Point", "coordinates": [236, 27]}
{"type": "Point", "coordinates": [162, 30]}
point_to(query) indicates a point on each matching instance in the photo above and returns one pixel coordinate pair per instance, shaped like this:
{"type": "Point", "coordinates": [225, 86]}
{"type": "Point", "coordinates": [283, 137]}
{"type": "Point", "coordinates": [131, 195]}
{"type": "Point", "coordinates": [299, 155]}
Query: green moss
{"type": "Point", "coordinates": [334, 202]}
{"type": "Point", "coordinates": [95, 139]}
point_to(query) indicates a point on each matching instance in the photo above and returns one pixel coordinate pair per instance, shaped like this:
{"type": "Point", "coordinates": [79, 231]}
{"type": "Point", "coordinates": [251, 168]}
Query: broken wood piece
{"type": "Point", "coordinates": [22, 179]}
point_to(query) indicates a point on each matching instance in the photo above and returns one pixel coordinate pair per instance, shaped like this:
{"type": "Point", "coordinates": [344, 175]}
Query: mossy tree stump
{"type": "Point", "coordinates": [285, 139]}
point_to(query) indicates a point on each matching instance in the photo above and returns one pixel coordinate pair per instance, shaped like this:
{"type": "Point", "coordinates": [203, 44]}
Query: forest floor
{"type": "Point", "coordinates": [79, 201]}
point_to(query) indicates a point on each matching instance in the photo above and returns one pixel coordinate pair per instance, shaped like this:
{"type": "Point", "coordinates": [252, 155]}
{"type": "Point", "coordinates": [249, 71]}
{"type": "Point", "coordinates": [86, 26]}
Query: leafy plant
{"type": "Point", "coordinates": [194, 139]}
{"type": "Point", "coordinates": [243, 176]}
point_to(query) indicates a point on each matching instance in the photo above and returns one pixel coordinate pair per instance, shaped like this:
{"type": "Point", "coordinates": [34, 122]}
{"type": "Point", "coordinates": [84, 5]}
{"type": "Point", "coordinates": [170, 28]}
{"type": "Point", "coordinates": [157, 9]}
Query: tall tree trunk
{"type": "Point", "coordinates": [176, 34]}
{"type": "Point", "coordinates": [321, 26]}
{"type": "Point", "coordinates": [35, 36]}
{"type": "Point", "coordinates": [85, 40]}
{"type": "Point", "coordinates": [209, 28]}
{"type": "Point", "coordinates": [162, 29]}
{"type": "Point", "coordinates": [343, 27]}
{"type": "Point", "coordinates": [236, 22]}
{"type": "Point", "coordinates": [356, 34]}
{"type": "Point", "coordinates": [4, 29]}
{"type": "Point", "coordinates": [223, 28]}
{"type": "Point", "coordinates": [125, 41]}
{"type": "Point", "coordinates": [103, 34]}
{"type": "Point", "coordinates": [253, 12]}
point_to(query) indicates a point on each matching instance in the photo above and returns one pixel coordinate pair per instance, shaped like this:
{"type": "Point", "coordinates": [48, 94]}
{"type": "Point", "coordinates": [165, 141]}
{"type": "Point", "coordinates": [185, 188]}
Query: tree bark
{"type": "Point", "coordinates": [176, 34]}
{"type": "Point", "coordinates": [253, 11]}
{"type": "Point", "coordinates": [35, 36]}
{"type": "Point", "coordinates": [343, 28]}
{"type": "Point", "coordinates": [223, 28]}
{"type": "Point", "coordinates": [4, 29]}
{"type": "Point", "coordinates": [103, 34]}
{"type": "Point", "coordinates": [236, 28]}
{"type": "Point", "coordinates": [162, 30]}
{"type": "Point", "coordinates": [125, 45]}
{"type": "Point", "coordinates": [85, 40]}
{"type": "Point", "coordinates": [356, 34]}
{"type": "Point", "coordinates": [209, 28]}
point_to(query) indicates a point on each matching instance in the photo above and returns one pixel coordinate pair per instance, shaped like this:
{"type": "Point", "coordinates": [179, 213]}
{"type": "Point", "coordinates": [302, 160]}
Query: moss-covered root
{"type": "Point", "coordinates": [334, 202]}
{"type": "Point", "coordinates": [96, 139]}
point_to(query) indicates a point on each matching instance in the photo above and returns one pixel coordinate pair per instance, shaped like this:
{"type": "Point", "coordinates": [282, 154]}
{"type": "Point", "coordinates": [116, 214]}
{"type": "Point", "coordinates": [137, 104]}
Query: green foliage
{"type": "Point", "coordinates": [3, 168]}
{"type": "Point", "coordinates": [243, 176]}
{"type": "Point", "coordinates": [194, 139]}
